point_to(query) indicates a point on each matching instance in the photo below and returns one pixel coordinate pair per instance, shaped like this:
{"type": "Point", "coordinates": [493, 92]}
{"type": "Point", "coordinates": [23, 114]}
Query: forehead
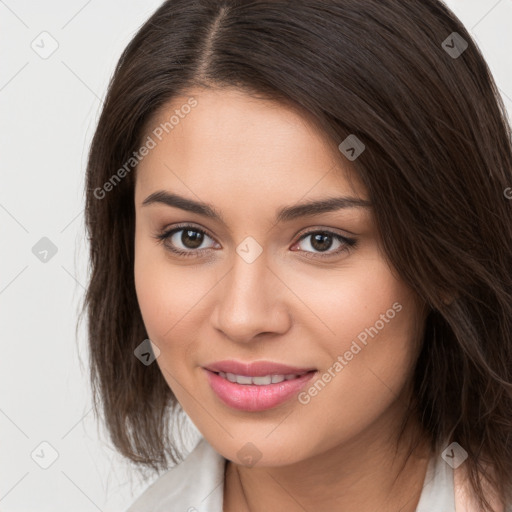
{"type": "Point", "coordinates": [232, 144]}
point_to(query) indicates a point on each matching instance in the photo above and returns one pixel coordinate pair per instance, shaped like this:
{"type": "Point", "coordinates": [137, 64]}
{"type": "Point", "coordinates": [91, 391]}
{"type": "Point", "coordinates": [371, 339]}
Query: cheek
{"type": "Point", "coordinates": [342, 304]}
{"type": "Point", "coordinates": [369, 319]}
{"type": "Point", "coordinates": [370, 358]}
{"type": "Point", "coordinates": [171, 297]}
{"type": "Point", "coordinates": [166, 301]}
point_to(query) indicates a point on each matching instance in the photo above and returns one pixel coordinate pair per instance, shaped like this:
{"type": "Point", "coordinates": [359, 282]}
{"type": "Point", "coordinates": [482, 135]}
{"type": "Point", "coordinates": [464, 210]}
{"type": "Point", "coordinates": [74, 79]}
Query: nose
{"type": "Point", "coordinates": [251, 300]}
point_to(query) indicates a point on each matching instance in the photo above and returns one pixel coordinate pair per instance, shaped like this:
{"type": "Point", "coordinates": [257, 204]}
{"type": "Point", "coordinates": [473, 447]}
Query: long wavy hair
{"type": "Point", "coordinates": [437, 168]}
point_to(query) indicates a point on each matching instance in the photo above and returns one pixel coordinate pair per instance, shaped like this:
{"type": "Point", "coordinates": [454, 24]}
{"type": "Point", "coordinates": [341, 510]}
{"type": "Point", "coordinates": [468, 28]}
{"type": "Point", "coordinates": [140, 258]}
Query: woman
{"type": "Point", "coordinates": [301, 237]}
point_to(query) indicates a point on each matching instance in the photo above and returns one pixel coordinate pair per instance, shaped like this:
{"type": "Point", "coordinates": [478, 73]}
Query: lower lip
{"type": "Point", "coordinates": [250, 397]}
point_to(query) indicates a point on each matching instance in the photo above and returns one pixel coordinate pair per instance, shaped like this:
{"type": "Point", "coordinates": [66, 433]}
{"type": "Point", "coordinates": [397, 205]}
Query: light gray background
{"type": "Point", "coordinates": [49, 109]}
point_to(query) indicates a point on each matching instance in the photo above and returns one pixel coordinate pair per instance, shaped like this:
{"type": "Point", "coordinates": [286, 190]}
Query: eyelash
{"type": "Point", "coordinates": [348, 243]}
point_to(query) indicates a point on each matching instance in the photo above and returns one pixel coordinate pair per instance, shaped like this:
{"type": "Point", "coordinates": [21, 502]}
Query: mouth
{"type": "Point", "coordinates": [256, 393]}
{"type": "Point", "coordinates": [260, 368]}
{"type": "Point", "coordinates": [263, 380]}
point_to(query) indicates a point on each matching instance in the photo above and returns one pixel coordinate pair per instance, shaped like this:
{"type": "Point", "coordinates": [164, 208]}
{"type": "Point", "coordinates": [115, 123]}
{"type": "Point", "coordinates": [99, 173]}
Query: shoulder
{"type": "Point", "coordinates": [465, 500]}
{"type": "Point", "coordinates": [193, 485]}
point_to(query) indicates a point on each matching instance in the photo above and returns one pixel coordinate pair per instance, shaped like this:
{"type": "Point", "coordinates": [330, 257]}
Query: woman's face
{"type": "Point", "coordinates": [261, 287]}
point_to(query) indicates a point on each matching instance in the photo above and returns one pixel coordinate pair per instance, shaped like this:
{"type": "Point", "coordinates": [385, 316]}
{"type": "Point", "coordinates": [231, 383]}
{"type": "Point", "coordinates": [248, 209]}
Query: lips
{"type": "Point", "coordinates": [257, 368]}
{"type": "Point", "coordinates": [258, 385]}
{"type": "Point", "coordinates": [256, 398]}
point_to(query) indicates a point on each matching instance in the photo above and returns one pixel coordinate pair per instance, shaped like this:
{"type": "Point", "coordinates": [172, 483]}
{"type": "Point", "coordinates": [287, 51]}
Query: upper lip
{"type": "Point", "coordinates": [256, 368]}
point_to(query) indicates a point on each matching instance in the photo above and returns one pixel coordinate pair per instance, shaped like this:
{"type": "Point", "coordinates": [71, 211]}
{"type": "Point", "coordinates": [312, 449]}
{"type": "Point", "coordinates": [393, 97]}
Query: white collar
{"type": "Point", "coordinates": [194, 485]}
{"type": "Point", "coordinates": [438, 487]}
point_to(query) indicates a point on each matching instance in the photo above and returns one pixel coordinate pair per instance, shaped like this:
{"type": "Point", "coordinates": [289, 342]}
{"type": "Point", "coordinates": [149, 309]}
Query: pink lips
{"type": "Point", "coordinates": [252, 397]}
{"type": "Point", "coordinates": [256, 368]}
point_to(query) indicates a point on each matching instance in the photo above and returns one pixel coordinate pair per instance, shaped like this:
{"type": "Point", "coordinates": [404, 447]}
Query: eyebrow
{"type": "Point", "coordinates": [284, 214]}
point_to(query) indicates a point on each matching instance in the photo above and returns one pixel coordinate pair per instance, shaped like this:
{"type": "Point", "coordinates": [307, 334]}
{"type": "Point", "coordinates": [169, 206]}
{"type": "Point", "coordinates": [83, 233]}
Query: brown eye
{"type": "Point", "coordinates": [191, 239]}
{"type": "Point", "coordinates": [321, 241]}
{"type": "Point", "coordinates": [185, 240]}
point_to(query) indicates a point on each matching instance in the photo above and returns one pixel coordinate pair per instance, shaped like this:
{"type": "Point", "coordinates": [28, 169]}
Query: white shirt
{"type": "Point", "coordinates": [197, 485]}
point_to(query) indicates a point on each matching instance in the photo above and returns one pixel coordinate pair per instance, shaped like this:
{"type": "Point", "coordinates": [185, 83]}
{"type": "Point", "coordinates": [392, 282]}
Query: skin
{"type": "Point", "coordinates": [248, 157]}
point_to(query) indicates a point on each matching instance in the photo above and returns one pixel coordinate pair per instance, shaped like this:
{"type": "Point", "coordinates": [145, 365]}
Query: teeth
{"type": "Point", "coordinates": [258, 381]}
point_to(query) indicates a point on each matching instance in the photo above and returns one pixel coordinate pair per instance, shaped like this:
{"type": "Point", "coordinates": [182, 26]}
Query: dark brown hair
{"type": "Point", "coordinates": [437, 162]}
